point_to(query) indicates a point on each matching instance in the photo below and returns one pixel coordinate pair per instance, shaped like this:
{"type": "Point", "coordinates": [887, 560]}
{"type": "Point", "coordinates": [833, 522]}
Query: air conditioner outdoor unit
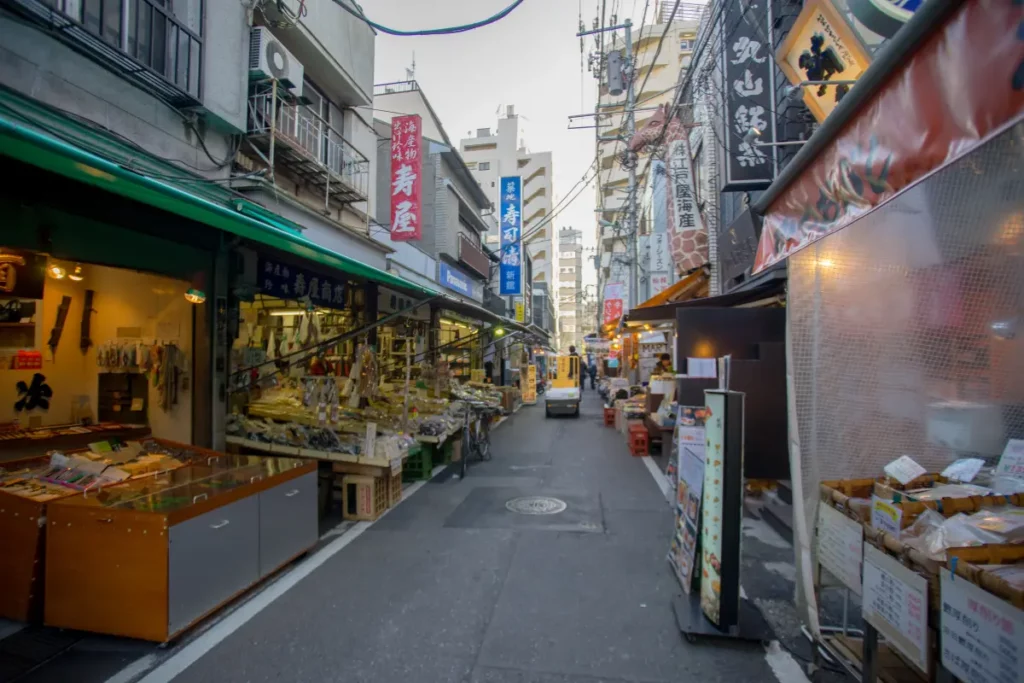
{"type": "Point", "coordinates": [269, 59]}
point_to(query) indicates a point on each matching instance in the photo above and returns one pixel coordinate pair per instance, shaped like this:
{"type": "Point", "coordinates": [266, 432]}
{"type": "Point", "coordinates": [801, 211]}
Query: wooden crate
{"type": "Point", "coordinates": [891, 666]}
{"type": "Point", "coordinates": [363, 498]}
{"type": "Point", "coordinates": [394, 489]}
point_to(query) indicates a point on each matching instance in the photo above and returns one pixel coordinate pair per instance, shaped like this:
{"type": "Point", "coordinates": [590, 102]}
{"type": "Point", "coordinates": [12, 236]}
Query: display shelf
{"type": "Point", "coordinates": [151, 543]}
{"type": "Point", "coordinates": [297, 452]}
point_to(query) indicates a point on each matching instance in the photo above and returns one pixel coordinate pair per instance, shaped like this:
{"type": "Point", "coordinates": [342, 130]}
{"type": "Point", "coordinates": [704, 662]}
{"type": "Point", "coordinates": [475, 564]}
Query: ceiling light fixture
{"type": "Point", "coordinates": [76, 274]}
{"type": "Point", "coordinates": [56, 272]}
{"type": "Point", "coordinates": [195, 296]}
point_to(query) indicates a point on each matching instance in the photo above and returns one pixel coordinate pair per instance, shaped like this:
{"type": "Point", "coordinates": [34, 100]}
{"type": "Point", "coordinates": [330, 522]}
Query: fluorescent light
{"type": "Point", "coordinates": [286, 313]}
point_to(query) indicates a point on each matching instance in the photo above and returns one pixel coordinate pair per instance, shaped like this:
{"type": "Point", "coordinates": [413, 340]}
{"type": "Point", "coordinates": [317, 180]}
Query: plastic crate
{"type": "Point", "coordinates": [365, 498]}
{"type": "Point", "coordinates": [419, 465]}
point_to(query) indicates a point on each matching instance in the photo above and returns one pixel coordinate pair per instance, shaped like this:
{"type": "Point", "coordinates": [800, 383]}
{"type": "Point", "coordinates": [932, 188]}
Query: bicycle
{"type": "Point", "coordinates": [476, 435]}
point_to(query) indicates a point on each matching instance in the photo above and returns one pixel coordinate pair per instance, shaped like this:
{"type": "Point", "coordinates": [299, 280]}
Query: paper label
{"type": "Point", "coordinates": [982, 636]}
{"type": "Point", "coordinates": [886, 516]}
{"type": "Point", "coordinates": [904, 469]}
{"type": "Point", "coordinates": [896, 603]}
{"type": "Point", "coordinates": [702, 367]}
{"type": "Point", "coordinates": [370, 442]}
{"type": "Point", "coordinates": [138, 404]}
{"type": "Point", "coordinates": [840, 546]}
{"type": "Point", "coordinates": [964, 469]}
{"type": "Point", "coordinates": [1011, 464]}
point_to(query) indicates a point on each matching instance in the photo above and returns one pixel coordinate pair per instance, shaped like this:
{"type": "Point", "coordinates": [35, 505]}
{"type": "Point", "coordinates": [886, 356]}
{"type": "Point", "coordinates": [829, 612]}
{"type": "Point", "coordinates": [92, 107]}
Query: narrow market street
{"type": "Point", "coordinates": [451, 586]}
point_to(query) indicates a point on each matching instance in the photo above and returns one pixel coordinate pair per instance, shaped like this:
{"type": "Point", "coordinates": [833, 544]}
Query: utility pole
{"type": "Point", "coordinates": [629, 106]}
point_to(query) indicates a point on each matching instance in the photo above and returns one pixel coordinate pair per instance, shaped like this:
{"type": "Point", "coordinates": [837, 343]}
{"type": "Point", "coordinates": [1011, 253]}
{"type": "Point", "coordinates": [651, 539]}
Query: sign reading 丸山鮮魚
{"type": "Point", "coordinates": [510, 221]}
{"type": "Point", "coordinates": [613, 293]}
{"type": "Point", "coordinates": [822, 47]}
{"type": "Point", "coordinates": [287, 281]}
{"type": "Point", "coordinates": [406, 178]}
{"type": "Point", "coordinates": [749, 94]}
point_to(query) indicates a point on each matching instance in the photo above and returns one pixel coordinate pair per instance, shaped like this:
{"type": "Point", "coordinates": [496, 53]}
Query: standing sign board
{"type": "Point", "coordinates": [530, 386]}
{"type": "Point", "coordinates": [510, 217]}
{"type": "Point", "coordinates": [406, 179]}
{"type": "Point", "coordinates": [749, 94]}
{"type": "Point", "coordinates": [840, 546]}
{"type": "Point", "coordinates": [690, 445]}
{"type": "Point", "coordinates": [722, 509]}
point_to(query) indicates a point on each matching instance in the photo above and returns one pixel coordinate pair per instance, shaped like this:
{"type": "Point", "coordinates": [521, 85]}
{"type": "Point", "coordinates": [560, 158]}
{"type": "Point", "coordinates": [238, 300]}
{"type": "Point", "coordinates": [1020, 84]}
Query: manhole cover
{"type": "Point", "coordinates": [536, 505]}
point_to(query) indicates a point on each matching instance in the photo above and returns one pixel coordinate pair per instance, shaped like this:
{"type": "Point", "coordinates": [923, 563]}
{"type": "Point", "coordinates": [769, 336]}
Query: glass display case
{"type": "Point", "coordinates": [151, 557]}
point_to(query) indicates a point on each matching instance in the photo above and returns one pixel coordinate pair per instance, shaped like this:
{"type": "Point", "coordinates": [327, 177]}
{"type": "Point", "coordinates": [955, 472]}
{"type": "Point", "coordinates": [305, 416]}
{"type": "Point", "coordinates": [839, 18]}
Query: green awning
{"type": "Point", "coordinates": [39, 136]}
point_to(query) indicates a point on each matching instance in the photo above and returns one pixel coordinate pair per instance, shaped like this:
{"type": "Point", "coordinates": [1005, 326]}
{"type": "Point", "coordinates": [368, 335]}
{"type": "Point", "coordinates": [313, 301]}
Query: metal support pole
{"type": "Point", "coordinates": [631, 222]}
{"type": "Point", "coordinates": [869, 658]}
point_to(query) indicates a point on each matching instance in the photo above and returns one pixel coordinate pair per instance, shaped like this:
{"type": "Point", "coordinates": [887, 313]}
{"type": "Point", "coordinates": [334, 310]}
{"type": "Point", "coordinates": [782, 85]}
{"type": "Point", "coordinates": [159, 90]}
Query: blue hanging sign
{"type": "Point", "coordinates": [510, 221]}
{"type": "Point", "coordinates": [287, 281]}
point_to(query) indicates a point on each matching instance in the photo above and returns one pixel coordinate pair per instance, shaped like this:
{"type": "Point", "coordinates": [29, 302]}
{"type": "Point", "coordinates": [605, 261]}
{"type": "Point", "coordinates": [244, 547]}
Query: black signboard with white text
{"type": "Point", "coordinates": [288, 281]}
{"type": "Point", "coordinates": [749, 75]}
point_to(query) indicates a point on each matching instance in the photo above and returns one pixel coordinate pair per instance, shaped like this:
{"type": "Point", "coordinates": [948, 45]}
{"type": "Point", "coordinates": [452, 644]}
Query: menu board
{"type": "Point", "coordinates": [896, 603]}
{"type": "Point", "coordinates": [982, 636]}
{"type": "Point", "coordinates": [689, 484]}
{"type": "Point", "coordinates": [840, 545]}
{"type": "Point", "coordinates": [711, 534]}
{"type": "Point", "coordinates": [530, 385]}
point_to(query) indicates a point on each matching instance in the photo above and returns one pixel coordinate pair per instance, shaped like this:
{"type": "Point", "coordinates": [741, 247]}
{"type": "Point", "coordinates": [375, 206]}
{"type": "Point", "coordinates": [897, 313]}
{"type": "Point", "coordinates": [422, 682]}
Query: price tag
{"type": "Point", "coordinates": [840, 546]}
{"type": "Point", "coordinates": [981, 634]}
{"type": "Point", "coordinates": [896, 603]}
{"type": "Point", "coordinates": [904, 469]}
{"type": "Point", "coordinates": [370, 442]}
{"type": "Point", "coordinates": [1011, 464]}
{"type": "Point", "coordinates": [886, 516]}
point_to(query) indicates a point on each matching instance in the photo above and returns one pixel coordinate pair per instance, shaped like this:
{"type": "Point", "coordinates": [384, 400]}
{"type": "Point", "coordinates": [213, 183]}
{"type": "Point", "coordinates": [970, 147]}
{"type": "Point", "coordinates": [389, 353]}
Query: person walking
{"type": "Point", "coordinates": [592, 371]}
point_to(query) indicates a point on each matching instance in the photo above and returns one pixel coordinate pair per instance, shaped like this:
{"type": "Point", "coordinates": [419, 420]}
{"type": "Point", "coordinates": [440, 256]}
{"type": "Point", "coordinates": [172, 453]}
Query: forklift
{"type": "Point", "coordinates": [563, 398]}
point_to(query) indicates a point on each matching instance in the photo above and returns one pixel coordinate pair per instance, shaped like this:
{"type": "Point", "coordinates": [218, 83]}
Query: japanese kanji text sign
{"type": "Point", "coordinates": [510, 221]}
{"type": "Point", "coordinates": [613, 293]}
{"type": "Point", "coordinates": [287, 281]}
{"type": "Point", "coordinates": [406, 178]}
{"type": "Point", "coordinates": [749, 91]}
{"type": "Point", "coordinates": [686, 224]}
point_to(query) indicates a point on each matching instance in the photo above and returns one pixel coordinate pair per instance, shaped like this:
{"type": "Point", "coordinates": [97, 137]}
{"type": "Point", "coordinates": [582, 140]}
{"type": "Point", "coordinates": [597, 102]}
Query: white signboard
{"type": "Point", "coordinates": [896, 603]}
{"type": "Point", "coordinates": [1011, 464]}
{"type": "Point", "coordinates": [886, 516]}
{"type": "Point", "coordinates": [660, 259]}
{"type": "Point", "coordinates": [904, 469]}
{"type": "Point", "coordinates": [370, 442]}
{"type": "Point", "coordinates": [982, 636]}
{"type": "Point", "coordinates": [683, 198]}
{"type": "Point", "coordinates": [840, 545]}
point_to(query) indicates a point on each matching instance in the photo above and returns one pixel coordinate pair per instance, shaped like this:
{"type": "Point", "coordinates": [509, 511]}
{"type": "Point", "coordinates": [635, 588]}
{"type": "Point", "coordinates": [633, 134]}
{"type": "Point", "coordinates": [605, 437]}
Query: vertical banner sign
{"type": "Point", "coordinates": [750, 89]}
{"type": "Point", "coordinates": [406, 179]}
{"type": "Point", "coordinates": [660, 264]}
{"type": "Point", "coordinates": [613, 292]}
{"type": "Point", "coordinates": [689, 238]}
{"type": "Point", "coordinates": [510, 216]}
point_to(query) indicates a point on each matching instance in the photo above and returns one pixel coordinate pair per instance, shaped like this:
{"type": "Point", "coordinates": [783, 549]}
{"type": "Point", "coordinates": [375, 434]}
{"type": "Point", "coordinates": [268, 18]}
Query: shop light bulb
{"type": "Point", "coordinates": [195, 296]}
{"type": "Point", "coordinates": [76, 274]}
{"type": "Point", "coordinates": [56, 272]}
{"type": "Point", "coordinates": [286, 313]}
{"type": "Point", "coordinates": [498, 331]}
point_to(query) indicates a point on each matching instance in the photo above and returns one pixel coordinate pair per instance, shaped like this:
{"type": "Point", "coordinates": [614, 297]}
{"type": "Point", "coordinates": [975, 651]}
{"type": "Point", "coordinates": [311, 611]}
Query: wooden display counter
{"type": "Point", "coordinates": [150, 558]}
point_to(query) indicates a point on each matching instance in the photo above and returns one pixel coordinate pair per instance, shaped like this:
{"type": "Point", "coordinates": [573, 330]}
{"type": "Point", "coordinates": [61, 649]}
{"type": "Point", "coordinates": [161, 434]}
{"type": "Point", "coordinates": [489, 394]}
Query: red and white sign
{"type": "Point", "coordinates": [613, 302]}
{"type": "Point", "coordinates": [406, 178]}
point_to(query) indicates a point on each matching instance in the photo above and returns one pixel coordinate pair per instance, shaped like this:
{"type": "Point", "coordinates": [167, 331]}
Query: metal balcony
{"type": "Point", "coordinates": [294, 138]}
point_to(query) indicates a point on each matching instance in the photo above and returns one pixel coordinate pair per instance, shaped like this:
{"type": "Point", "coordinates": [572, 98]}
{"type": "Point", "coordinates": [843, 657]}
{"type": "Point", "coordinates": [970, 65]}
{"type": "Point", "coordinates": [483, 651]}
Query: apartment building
{"type": "Point", "coordinates": [503, 152]}
{"type": "Point", "coordinates": [570, 288]}
{"type": "Point", "coordinates": [656, 76]}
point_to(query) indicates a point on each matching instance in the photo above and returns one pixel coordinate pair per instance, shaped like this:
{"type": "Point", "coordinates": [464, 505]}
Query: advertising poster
{"type": "Point", "coordinates": [711, 514]}
{"type": "Point", "coordinates": [689, 483]}
{"type": "Point", "coordinates": [530, 386]}
{"type": "Point", "coordinates": [406, 178]}
{"type": "Point", "coordinates": [613, 295]}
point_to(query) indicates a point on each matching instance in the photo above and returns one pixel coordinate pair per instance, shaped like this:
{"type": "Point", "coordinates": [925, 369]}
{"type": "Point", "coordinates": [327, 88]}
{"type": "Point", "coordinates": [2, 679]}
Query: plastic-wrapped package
{"type": "Point", "coordinates": [958, 531]}
{"type": "Point", "coordinates": [1005, 522]}
{"type": "Point", "coordinates": [948, 491]}
{"type": "Point", "coordinates": [1012, 574]}
{"type": "Point", "coordinates": [1007, 486]}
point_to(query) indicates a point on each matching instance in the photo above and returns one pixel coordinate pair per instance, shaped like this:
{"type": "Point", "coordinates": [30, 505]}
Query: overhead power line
{"type": "Point", "coordinates": [358, 13]}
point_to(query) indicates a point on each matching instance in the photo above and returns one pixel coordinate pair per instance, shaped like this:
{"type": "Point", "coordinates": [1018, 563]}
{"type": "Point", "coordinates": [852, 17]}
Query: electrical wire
{"type": "Point", "coordinates": [358, 13]}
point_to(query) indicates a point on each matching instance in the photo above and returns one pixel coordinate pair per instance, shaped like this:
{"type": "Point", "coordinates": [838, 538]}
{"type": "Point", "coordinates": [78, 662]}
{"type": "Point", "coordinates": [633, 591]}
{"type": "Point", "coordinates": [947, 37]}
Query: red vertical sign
{"type": "Point", "coordinates": [406, 172]}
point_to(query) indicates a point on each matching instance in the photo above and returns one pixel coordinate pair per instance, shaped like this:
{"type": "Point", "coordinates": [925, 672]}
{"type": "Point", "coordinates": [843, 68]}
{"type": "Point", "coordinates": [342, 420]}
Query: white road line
{"type": "Point", "coordinates": [659, 477]}
{"type": "Point", "coordinates": [781, 662]}
{"type": "Point", "coordinates": [190, 654]}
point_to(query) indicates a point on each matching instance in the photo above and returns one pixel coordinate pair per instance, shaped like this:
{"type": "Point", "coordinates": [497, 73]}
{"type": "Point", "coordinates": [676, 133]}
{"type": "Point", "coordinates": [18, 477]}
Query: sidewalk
{"type": "Point", "coordinates": [451, 586]}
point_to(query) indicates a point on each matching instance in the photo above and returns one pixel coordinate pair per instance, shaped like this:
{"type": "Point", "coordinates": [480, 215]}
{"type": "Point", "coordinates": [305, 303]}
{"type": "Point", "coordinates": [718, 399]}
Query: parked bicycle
{"type": "Point", "coordinates": [476, 434]}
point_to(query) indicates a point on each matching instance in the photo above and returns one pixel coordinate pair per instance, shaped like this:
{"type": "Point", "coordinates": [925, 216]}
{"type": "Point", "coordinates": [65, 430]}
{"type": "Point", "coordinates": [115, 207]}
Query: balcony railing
{"type": "Point", "coordinates": [298, 140]}
{"type": "Point", "coordinates": [395, 87]}
{"type": "Point", "coordinates": [142, 40]}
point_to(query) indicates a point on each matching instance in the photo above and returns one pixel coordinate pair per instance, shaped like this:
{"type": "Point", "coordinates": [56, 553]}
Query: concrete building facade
{"type": "Point", "coordinates": [570, 288]}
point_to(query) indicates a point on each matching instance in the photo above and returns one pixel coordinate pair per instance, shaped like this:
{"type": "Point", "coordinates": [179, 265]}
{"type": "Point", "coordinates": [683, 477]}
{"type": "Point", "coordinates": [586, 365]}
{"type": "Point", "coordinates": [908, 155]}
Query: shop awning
{"type": "Point", "coordinates": [689, 287]}
{"type": "Point", "coordinates": [769, 285]}
{"type": "Point", "coordinates": [40, 136]}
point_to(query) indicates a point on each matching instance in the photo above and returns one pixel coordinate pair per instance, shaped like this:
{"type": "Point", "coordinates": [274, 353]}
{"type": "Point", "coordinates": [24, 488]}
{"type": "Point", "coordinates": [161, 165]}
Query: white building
{"type": "Point", "coordinates": [492, 154]}
{"type": "Point", "coordinates": [570, 288]}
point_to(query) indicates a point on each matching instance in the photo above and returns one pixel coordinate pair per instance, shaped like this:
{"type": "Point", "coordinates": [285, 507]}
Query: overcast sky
{"type": "Point", "coordinates": [530, 59]}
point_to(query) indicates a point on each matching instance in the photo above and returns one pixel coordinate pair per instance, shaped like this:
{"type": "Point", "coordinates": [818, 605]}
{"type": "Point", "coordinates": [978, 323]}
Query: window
{"type": "Point", "coordinates": [567, 269]}
{"type": "Point", "coordinates": [164, 36]}
{"type": "Point", "coordinates": [484, 166]}
{"type": "Point", "coordinates": [312, 120]}
{"type": "Point", "coordinates": [686, 44]}
{"type": "Point", "coordinates": [567, 254]}
{"type": "Point", "coordinates": [491, 239]}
